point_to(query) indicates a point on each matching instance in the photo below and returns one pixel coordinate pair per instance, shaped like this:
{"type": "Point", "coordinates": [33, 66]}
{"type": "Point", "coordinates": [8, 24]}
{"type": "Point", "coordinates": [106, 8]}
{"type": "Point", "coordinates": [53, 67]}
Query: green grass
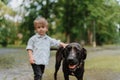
{"type": "Point", "coordinates": [14, 46]}
{"type": "Point", "coordinates": [105, 62]}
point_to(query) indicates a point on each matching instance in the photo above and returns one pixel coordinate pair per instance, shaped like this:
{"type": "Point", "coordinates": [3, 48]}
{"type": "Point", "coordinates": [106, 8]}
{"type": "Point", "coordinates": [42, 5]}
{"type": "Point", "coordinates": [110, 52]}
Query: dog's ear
{"type": "Point", "coordinates": [59, 52]}
{"type": "Point", "coordinates": [84, 53]}
{"type": "Point", "coordinates": [66, 50]}
{"type": "Point", "coordinates": [59, 55]}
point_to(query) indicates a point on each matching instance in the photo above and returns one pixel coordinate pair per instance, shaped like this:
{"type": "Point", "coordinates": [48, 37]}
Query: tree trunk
{"type": "Point", "coordinates": [68, 38]}
{"type": "Point", "coordinates": [90, 37]}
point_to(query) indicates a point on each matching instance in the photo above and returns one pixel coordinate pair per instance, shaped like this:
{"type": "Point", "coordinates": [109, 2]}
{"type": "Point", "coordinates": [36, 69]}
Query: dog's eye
{"type": "Point", "coordinates": [77, 50]}
{"type": "Point", "coordinates": [69, 48]}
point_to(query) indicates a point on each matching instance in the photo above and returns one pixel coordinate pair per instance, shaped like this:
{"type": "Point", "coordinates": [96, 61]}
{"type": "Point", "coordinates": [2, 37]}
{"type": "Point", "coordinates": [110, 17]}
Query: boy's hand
{"type": "Point", "coordinates": [63, 44]}
{"type": "Point", "coordinates": [32, 61]}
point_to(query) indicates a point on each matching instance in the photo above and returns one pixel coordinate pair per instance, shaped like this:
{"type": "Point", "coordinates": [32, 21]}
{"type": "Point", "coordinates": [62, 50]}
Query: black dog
{"type": "Point", "coordinates": [73, 57]}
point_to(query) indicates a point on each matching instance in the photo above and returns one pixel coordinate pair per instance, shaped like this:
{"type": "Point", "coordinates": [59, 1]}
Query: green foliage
{"type": "Point", "coordinates": [4, 9]}
{"type": "Point", "coordinates": [36, 9]}
{"type": "Point", "coordinates": [72, 15]}
{"type": "Point", "coordinates": [105, 15]}
{"type": "Point", "coordinates": [5, 1]}
{"type": "Point", "coordinates": [7, 27]}
{"type": "Point", "coordinates": [3, 36]}
{"type": "Point", "coordinates": [8, 32]}
{"type": "Point", "coordinates": [76, 20]}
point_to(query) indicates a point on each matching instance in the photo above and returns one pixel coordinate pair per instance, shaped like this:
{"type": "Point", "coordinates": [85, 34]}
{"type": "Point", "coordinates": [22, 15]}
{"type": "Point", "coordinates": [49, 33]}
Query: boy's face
{"type": "Point", "coordinates": [41, 29]}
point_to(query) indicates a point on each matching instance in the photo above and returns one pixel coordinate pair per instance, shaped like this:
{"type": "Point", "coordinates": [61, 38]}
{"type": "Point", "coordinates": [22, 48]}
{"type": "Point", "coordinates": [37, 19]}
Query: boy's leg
{"type": "Point", "coordinates": [38, 71]}
{"type": "Point", "coordinates": [42, 68]}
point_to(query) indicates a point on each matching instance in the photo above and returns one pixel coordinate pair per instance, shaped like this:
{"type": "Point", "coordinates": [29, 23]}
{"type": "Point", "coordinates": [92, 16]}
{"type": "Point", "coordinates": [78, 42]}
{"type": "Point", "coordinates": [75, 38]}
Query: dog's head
{"type": "Point", "coordinates": [74, 54]}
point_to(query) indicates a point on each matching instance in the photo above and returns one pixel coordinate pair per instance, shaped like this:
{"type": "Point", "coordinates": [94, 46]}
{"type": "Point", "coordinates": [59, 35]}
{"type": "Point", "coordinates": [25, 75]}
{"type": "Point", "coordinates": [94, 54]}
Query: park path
{"type": "Point", "coordinates": [9, 50]}
{"type": "Point", "coordinates": [24, 72]}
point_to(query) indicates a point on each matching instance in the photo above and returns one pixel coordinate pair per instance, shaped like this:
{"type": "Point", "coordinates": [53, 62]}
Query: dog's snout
{"type": "Point", "coordinates": [70, 60]}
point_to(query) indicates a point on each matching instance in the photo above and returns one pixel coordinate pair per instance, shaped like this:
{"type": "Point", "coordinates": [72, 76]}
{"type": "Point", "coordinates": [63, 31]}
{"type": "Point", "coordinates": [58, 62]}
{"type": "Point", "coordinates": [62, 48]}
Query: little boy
{"type": "Point", "coordinates": [38, 47]}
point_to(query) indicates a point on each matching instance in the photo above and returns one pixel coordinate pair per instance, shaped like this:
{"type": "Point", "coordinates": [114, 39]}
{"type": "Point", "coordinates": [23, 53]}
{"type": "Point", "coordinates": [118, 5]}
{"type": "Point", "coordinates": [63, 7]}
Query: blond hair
{"type": "Point", "coordinates": [42, 21]}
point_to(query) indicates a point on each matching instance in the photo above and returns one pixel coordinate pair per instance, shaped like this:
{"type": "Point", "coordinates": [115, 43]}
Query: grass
{"type": "Point", "coordinates": [14, 46]}
{"type": "Point", "coordinates": [102, 65]}
{"type": "Point", "coordinates": [11, 60]}
{"type": "Point", "coordinates": [108, 62]}
{"type": "Point", "coordinates": [6, 61]}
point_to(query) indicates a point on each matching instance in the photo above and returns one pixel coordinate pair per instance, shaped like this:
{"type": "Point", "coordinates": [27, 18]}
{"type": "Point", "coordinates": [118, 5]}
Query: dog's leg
{"type": "Point", "coordinates": [66, 76]}
{"type": "Point", "coordinates": [65, 70]}
{"type": "Point", "coordinates": [80, 77]}
{"type": "Point", "coordinates": [57, 66]}
{"type": "Point", "coordinates": [58, 62]}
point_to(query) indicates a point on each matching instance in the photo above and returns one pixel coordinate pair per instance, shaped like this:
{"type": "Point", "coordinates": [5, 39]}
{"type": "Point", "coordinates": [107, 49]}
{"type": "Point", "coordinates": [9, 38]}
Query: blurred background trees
{"type": "Point", "coordinates": [92, 22]}
{"type": "Point", "coordinates": [7, 27]}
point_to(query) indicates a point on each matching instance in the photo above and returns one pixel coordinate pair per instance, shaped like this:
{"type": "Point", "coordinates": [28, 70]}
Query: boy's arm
{"type": "Point", "coordinates": [63, 44]}
{"type": "Point", "coordinates": [31, 59]}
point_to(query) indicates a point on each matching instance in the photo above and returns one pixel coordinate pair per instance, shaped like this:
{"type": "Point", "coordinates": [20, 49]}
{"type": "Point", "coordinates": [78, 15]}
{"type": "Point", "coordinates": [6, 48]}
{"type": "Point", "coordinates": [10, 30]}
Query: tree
{"type": "Point", "coordinates": [4, 9]}
{"type": "Point", "coordinates": [6, 26]}
{"type": "Point", "coordinates": [36, 8]}
{"type": "Point", "coordinates": [76, 20]}
{"type": "Point", "coordinates": [8, 32]}
{"type": "Point", "coordinates": [105, 15]}
{"type": "Point", "coordinates": [72, 16]}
